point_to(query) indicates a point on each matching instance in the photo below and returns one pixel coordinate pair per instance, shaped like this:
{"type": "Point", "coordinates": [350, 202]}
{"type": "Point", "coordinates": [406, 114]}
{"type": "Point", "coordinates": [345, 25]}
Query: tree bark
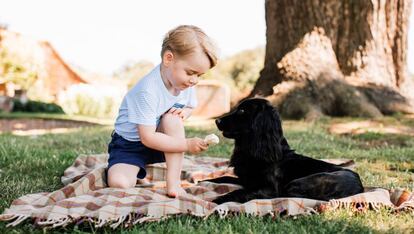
{"type": "Point", "coordinates": [327, 57]}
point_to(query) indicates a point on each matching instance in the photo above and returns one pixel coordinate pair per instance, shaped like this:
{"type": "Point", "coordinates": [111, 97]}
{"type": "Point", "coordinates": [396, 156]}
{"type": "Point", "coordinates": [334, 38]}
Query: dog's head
{"type": "Point", "coordinates": [256, 122]}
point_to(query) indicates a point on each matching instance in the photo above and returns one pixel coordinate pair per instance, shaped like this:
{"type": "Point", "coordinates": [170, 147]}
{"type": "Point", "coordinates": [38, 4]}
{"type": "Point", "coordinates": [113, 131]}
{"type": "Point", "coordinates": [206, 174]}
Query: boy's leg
{"type": "Point", "coordinates": [122, 175]}
{"type": "Point", "coordinates": [172, 125]}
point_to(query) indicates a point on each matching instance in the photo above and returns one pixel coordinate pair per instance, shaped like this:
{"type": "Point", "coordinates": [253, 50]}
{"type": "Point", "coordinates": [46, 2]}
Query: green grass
{"type": "Point", "coordinates": [35, 164]}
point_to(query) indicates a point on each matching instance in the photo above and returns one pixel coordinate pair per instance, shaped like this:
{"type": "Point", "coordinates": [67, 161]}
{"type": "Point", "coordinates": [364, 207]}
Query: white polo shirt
{"type": "Point", "coordinates": [146, 102]}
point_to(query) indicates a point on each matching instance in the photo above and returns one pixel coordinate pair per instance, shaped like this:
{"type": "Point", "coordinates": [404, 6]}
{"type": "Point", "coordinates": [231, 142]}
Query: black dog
{"type": "Point", "coordinates": [267, 167]}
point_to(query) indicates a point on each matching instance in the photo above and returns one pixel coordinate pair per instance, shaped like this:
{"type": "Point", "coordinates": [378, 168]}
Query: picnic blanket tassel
{"type": "Point", "coordinates": [47, 221]}
{"type": "Point", "coordinates": [120, 220]}
{"type": "Point", "coordinates": [129, 219]}
{"type": "Point", "coordinates": [309, 211]}
{"type": "Point", "coordinates": [100, 222]}
{"type": "Point", "coordinates": [348, 205]}
{"type": "Point", "coordinates": [20, 218]}
{"type": "Point", "coordinates": [62, 222]}
{"type": "Point", "coordinates": [9, 217]}
{"type": "Point", "coordinates": [271, 213]}
{"type": "Point", "coordinates": [376, 206]}
{"type": "Point", "coordinates": [222, 212]}
{"type": "Point", "coordinates": [334, 204]}
{"type": "Point", "coordinates": [407, 205]}
{"type": "Point", "coordinates": [144, 219]}
{"type": "Point", "coordinates": [365, 206]}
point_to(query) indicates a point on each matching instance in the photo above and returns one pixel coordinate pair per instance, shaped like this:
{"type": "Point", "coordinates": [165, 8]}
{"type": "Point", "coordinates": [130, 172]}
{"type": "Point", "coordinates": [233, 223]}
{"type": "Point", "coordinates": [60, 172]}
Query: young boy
{"type": "Point", "coordinates": [149, 127]}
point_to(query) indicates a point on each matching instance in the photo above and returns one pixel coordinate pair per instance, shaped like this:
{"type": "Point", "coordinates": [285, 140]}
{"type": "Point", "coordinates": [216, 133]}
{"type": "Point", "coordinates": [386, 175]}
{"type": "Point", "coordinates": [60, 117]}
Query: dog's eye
{"type": "Point", "coordinates": [240, 112]}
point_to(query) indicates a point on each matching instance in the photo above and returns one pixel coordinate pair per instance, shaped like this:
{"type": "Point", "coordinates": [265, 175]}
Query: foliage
{"type": "Point", "coordinates": [240, 71]}
{"type": "Point", "coordinates": [16, 70]}
{"type": "Point", "coordinates": [23, 72]}
{"type": "Point", "coordinates": [133, 72]}
{"type": "Point", "coordinates": [90, 100]}
{"type": "Point", "coordinates": [36, 106]}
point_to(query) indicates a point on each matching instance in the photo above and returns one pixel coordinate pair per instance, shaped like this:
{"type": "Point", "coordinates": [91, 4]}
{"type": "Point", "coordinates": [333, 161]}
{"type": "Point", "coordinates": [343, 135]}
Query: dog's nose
{"type": "Point", "coordinates": [218, 121]}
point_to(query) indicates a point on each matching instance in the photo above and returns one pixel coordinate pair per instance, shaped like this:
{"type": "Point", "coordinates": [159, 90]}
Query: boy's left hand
{"type": "Point", "coordinates": [183, 113]}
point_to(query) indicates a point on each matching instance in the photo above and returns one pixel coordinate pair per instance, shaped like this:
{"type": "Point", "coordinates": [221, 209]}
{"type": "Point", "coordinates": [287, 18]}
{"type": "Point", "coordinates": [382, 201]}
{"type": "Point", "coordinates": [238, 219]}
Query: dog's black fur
{"type": "Point", "coordinates": [265, 165]}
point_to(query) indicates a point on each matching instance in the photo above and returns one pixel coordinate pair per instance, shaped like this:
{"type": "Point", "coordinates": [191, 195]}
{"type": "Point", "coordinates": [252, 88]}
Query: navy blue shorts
{"type": "Point", "coordinates": [133, 153]}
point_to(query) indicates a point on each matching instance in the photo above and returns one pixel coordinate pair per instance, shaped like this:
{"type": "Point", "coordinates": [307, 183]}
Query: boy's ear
{"type": "Point", "coordinates": [168, 57]}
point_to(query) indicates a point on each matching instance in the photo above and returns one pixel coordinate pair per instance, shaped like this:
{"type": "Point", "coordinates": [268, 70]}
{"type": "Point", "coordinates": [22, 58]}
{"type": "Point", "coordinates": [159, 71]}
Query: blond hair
{"type": "Point", "coordinates": [185, 39]}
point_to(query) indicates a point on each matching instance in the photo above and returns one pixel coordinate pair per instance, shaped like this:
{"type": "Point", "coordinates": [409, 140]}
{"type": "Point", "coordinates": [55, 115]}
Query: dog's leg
{"type": "Point", "coordinates": [325, 186]}
{"type": "Point", "coordinates": [224, 180]}
{"type": "Point", "coordinates": [243, 195]}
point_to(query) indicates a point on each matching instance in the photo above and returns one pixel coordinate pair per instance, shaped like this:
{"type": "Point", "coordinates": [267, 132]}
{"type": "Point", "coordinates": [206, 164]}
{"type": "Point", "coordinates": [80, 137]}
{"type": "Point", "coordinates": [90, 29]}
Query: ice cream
{"type": "Point", "coordinates": [211, 139]}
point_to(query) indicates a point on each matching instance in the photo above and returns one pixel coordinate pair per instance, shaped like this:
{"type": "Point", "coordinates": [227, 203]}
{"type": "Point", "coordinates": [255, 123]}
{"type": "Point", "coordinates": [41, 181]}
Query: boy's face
{"type": "Point", "coordinates": [184, 72]}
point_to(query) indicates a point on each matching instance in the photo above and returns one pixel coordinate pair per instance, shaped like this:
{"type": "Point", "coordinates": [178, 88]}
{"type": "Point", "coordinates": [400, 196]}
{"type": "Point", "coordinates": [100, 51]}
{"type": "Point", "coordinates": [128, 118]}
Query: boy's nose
{"type": "Point", "coordinates": [194, 80]}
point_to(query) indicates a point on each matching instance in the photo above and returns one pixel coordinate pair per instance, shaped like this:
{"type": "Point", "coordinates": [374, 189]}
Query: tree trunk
{"type": "Point", "coordinates": [327, 57]}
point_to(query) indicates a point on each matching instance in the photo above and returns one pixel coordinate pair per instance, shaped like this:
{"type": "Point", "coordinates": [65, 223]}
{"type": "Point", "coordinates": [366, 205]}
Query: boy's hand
{"type": "Point", "coordinates": [183, 113]}
{"type": "Point", "coordinates": [196, 145]}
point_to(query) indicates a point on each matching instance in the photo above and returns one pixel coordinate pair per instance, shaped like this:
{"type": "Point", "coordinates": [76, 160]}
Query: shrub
{"type": "Point", "coordinates": [36, 106]}
{"type": "Point", "coordinates": [133, 72]}
{"type": "Point", "coordinates": [97, 101]}
{"type": "Point", "coordinates": [239, 71]}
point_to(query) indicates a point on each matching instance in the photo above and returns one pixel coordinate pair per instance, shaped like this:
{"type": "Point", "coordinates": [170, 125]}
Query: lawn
{"type": "Point", "coordinates": [31, 164]}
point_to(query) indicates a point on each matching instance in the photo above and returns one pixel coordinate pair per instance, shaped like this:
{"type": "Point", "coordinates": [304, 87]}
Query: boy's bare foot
{"type": "Point", "coordinates": [175, 192]}
{"type": "Point", "coordinates": [144, 183]}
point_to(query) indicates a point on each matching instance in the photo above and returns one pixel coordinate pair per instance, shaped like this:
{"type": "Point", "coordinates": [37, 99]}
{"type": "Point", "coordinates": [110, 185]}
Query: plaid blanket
{"type": "Point", "coordinates": [86, 197]}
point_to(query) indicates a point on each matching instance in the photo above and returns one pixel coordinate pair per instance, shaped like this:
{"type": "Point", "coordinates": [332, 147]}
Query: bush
{"type": "Point", "coordinates": [133, 72]}
{"type": "Point", "coordinates": [239, 71]}
{"type": "Point", "coordinates": [36, 106]}
{"type": "Point", "coordinates": [84, 99]}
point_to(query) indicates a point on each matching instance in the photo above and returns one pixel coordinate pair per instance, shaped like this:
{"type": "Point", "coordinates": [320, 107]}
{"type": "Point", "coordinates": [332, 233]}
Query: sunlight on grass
{"type": "Point", "coordinates": [29, 115]}
{"type": "Point", "coordinates": [35, 132]}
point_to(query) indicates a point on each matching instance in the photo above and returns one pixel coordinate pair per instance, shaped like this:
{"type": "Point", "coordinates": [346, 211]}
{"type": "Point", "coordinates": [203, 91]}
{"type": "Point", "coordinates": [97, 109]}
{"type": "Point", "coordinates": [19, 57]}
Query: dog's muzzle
{"type": "Point", "coordinates": [218, 123]}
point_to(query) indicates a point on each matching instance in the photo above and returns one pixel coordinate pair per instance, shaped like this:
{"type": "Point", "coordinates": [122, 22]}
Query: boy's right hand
{"type": "Point", "coordinates": [196, 145]}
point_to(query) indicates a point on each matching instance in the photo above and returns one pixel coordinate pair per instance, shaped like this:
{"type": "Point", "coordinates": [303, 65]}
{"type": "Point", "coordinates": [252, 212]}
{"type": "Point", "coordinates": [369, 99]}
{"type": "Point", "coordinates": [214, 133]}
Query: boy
{"type": "Point", "coordinates": [149, 127]}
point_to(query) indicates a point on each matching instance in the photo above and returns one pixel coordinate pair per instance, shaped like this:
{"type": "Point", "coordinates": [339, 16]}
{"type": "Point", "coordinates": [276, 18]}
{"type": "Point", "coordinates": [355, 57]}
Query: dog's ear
{"type": "Point", "coordinates": [267, 135]}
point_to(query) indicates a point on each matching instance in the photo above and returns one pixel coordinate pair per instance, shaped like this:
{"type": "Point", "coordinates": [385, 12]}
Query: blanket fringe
{"type": "Point", "coordinates": [221, 211]}
{"type": "Point", "coordinates": [62, 222]}
{"type": "Point", "coordinates": [310, 210]}
{"type": "Point", "coordinates": [128, 220]}
{"type": "Point", "coordinates": [131, 219]}
{"type": "Point", "coordinates": [20, 218]}
{"type": "Point", "coordinates": [149, 219]}
{"type": "Point", "coordinates": [119, 222]}
{"type": "Point", "coordinates": [8, 217]}
{"type": "Point", "coordinates": [406, 206]}
{"type": "Point", "coordinates": [100, 222]}
{"type": "Point", "coordinates": [56, 222]}
{"type": "Point", "coordinates": [335, 204]}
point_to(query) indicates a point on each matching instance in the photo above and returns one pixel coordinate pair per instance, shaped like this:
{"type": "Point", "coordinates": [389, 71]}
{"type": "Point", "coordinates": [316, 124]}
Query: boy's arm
{"type": "Point", "coordinates": [160, 141]}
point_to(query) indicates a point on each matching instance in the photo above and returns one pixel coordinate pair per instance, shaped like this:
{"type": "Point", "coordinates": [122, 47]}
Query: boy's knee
{"type": "Point", "coordinates": [171, 119]}
{"type": "Point", "coordinates": [172, 124]}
